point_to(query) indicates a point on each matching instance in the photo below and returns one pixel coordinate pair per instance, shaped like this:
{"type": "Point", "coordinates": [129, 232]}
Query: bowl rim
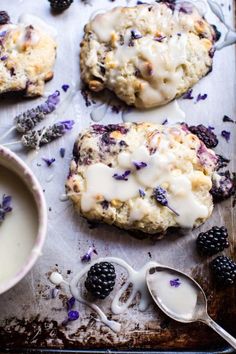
{"type": "Point", "coordinates": [34, 187]}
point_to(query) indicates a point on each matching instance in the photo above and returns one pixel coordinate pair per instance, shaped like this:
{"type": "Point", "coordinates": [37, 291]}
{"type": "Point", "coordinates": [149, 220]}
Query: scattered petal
{"type": "Point", "coordinates": [122, 177]}
{"type": "Point", "coordinates": [188, 95]}
{"type": "Point", "coordinates": [175, 282]}
{"type": "Point", "coordinates": [65, 87]}
{"type": "Point", "coordinates": [49, 162]}
{"type": "Point", "coordinates": [165, 122]}
{"type": "Point", "coordinates": [228, 119]}
{"type": "Point", "coordinates": [73, 315]}
{"type": "Point", "coordinates": [226, 135]}
{"type": "Point", "coordinates": [139, 165]}
{"type": "Point", "coordinates": [141, 193]}
{"type": "Point", "coordinates": [5, 206]}
{"type": "Point", "coordinates": [62, 152]}
{"type": "Point", "coordinates": [201, 97]}
{"type": "Point", "coordinates": [87, 256]}
{"type": "Point", "coordinates": [70, 303]}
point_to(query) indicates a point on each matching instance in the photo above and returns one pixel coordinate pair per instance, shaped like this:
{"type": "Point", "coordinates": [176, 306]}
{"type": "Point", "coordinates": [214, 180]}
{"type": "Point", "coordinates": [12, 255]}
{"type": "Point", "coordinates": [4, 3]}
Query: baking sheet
{"type": "Point", "coordinates": [29, 317]}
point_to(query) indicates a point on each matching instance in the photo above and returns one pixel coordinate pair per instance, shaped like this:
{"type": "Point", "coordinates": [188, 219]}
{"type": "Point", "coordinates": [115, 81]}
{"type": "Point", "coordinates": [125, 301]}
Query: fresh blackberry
{"type": "Point", "coordinates": [4, 18]}
{"type": "Point", "coordinates": [60, 5]}
{"type": "Point", "coordinates": [100, 279]}
{"type": "Point", "coordinates": [206, 135]}
{"type": "Point", "coordinates": [224, 188]}
{"type": "Point", "coordinates": [212, 241]}
{"type": "Point", "coordinates": [224, 270]}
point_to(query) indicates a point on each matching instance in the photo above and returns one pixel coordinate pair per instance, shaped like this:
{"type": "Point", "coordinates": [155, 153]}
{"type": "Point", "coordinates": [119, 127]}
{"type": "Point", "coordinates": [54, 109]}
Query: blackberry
{"type": "Point", "coordinates": [212, 241]}
{"type": "Point", "coordinates": [224, 270]}
{"type": "Point", "coordinates": [100, 279]}
{"type": "Point", "coordinates": [224, 188]}
{"type": "Point", "coordinates": [60, 5]}
{"type": "Point", "coordinates": [206, 135]}
{"type": "Point", "coordinates": [4, 18]}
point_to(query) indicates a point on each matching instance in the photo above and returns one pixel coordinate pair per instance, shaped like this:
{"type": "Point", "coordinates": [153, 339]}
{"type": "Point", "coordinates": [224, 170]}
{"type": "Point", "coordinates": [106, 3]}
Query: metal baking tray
{"type": "Point", "coordinates": [30, 320]}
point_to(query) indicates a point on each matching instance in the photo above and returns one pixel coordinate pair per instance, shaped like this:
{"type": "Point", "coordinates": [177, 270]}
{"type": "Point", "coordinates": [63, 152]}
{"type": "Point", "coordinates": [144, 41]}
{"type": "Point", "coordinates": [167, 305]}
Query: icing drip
{"type": "Point", "coordinates": [135, 278]}
{"type": "Point", "coordinates": [172, 112]}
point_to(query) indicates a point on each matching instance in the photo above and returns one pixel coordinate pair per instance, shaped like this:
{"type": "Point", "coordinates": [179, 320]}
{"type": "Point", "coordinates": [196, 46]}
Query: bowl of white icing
{"type": "Point", "coordinates": [23, 230]}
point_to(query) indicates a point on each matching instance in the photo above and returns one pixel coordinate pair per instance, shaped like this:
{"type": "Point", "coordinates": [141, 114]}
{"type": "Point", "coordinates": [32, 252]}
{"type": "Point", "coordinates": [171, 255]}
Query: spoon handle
{"type": "Point", "coordinates": [224, 334]}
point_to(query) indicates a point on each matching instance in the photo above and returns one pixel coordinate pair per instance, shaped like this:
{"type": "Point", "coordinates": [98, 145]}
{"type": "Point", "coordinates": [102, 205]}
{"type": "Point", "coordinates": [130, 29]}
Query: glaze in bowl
{"type": "Point", "coordinates": [11, 162]}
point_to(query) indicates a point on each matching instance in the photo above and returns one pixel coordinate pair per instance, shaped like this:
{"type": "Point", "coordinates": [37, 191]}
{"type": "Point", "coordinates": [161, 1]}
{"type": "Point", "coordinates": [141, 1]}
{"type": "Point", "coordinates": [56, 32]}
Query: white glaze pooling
{"type": "Point", "coordinates": [161, 170]}
{"type": "Point", "coordinates": [19, 229]}
{"type": "Point", "coordinates": [56, 278]}
{"type": "Point", "coordinates": [179, 301]}
{"type": "Point", "coordinates": [136, 278]}
{"type": "Point", "coordinates": [170, 112]}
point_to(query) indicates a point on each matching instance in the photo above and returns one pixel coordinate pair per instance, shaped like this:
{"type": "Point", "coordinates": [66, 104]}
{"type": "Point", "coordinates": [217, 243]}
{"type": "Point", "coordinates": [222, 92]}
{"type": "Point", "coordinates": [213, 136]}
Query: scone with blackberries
{"type": "Point", "coordinates": [147, 54]}
{"type": "Point", "coordinates": [144, 176]}
{"type": "Point", "coordinates": [27, 57]}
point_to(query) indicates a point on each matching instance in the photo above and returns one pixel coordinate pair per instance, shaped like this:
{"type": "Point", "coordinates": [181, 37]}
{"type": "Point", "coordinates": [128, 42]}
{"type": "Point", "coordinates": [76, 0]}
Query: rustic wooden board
{"type": "Point", "coordinates": [28, 316]}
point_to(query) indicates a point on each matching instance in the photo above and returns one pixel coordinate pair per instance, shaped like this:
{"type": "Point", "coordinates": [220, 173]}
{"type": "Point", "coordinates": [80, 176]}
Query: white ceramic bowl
{"type": "Point", "coordinates": [13, 163]}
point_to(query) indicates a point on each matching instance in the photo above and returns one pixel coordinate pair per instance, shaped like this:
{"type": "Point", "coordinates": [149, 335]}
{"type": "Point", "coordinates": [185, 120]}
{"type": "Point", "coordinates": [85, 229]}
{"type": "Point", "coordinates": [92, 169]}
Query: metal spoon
{"type": "Point", "coordinates": [199, 312]}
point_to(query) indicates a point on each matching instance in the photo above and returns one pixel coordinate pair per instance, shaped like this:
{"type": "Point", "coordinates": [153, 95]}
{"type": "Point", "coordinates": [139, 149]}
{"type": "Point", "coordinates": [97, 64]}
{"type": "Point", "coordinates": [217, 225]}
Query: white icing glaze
{"type": "Point", "coordinates": [56, 278]}
{"type": "Point", "coordinates": [99, 112]}
{"type": "Point", "coordinates": [135, 278]}
{"type": "Point", "coordinates": [160, 62]}
{"type": "Point", "coordinates": [172, 112]}
{"type": "Point", "coordinates": [160, 171]}
{"type": "Point", "coordinates": [19, 229]}
{"type": "Point", "coordinates": [37, 22]}
{"type": "Point", "coordinates": [179, 301]}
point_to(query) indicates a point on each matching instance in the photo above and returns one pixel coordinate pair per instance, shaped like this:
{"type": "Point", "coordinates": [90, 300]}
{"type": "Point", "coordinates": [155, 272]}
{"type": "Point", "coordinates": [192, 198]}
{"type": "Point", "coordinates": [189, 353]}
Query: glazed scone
{"type": "Point", "coordinates": [118, 172]}
{"type": "Point", "coordinates": [147, 54]}
{"type": "Point", "coordinates": [27, 57]}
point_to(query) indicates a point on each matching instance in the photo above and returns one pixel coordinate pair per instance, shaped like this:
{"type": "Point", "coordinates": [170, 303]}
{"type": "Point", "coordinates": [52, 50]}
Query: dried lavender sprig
{"type": "Point", "coordinates": [37, 138]}
{"type": "Point", "coordinates": [160, 196]}
{"type": "Point", "coordinates": [28, 120]}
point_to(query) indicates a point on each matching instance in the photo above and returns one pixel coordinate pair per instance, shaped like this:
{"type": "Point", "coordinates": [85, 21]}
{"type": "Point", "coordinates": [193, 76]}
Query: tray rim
{"type": "Point", "coordinates": [225, 350]}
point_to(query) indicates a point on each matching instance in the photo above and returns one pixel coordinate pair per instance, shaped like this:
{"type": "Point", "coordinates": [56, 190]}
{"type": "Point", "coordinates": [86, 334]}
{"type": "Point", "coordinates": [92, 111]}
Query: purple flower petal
{"type": "Point", "coordinates": [4, 57]}
{"type": "Point", "coordinates": [227, 119]}
{"type": "Point", "coordinates": [122, 177]}
{"type": "Point", "coordinates": [65, 87]}
{"type": "Point", "coordinates": [141, 193]}
{"type": "Point", "coordinates": [73, 315]}
{"type": "Point", "coordinates": [165, 122]}
{"type": "Point", "coordinates": [135, 34]}
{"type": "Point", "coordinates": [226, 135]}
{"type": "Point", "coordinates": [188, 95]}
{"type": "Point", "coordinates": [62, 152]}
{"type": "Point", "coordinates": [5, 206]}
{"type": "Point", "coordinates": [70, 303]}
{"type": "Point", "coordinates": [87, 256]}
{"type": "Point", "coordinates": [201, 97]}
{"type": "Point", "coordinates": [139, 165]}
{"type": "Point", "coordinates": [175, 282]}
{"type": "Point", "coordinates": [159, 39]}
{"type": "Point", "coordinates": [49, 162]}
